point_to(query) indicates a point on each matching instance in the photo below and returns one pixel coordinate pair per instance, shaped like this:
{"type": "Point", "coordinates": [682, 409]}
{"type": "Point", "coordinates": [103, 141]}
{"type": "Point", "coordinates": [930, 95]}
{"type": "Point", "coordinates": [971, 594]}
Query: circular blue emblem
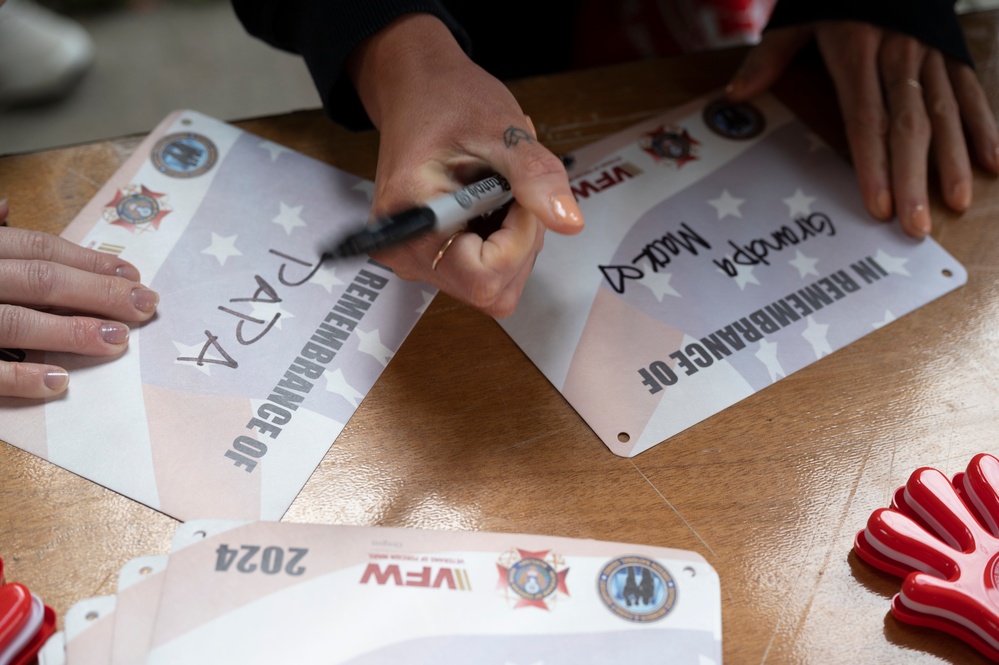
{"type": "Point", "coordinates": [637, 588]}
{"type": "Point", "coordinates": [186, 155]}
{"type": "Point", "coordinates": [533, 579]}
{"type": "Point", "coordinates": [137, 208]}
{"type": "Point", "coordinates": [734, 120]}
{"type": "Point", "coordinates": [668, 145]}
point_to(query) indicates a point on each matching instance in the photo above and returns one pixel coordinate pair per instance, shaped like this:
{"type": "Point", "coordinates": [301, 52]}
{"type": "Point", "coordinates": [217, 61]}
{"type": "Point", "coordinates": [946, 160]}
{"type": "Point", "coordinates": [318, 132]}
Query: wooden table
{"type": "Point", "coordinates": [463, 432]}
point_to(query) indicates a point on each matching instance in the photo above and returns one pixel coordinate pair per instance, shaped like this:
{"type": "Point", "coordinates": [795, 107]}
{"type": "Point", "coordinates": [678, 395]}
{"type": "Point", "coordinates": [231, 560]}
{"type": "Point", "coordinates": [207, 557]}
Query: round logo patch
{"type": "Point", "coordinates": [734, 120]}
{"type": "Point", "coordinates": [185, 155]}
{"type": "Point", "coordinates": [637, 589]}
{"type": "Point", "coordinates": [532, 579]}
{"type": "Point", "coordinates": [669, 145]}
{"type": "Point", "coordinates": [138, 208]}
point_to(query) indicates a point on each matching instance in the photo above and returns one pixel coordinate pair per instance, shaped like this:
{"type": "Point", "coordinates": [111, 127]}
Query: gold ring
{"type": "Point", "coordinates": [440, 252]}
{"type": "Point", "coordinates": [913, 83]}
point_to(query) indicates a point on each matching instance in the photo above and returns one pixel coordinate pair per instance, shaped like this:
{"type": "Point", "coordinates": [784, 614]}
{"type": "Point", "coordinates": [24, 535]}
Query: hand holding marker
{"type": "Point", "coordinates": [446, 213]}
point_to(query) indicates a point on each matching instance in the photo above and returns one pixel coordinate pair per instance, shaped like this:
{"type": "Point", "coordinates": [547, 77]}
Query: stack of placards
{"type": "Point", "coordinates": [273, 592]}
{"type": "Point", "coordinates": [25, 623]}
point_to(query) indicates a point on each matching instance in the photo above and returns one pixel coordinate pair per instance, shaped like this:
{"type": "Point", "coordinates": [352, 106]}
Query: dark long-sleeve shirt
{"type": "Point", "coordinates": [516, 39]}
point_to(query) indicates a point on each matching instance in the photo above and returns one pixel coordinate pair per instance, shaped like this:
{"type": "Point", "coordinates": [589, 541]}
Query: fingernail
{"type": "Point", "coordinates": [145, 300]}
{"type": "Point", "coordinates": [567, 210]}
{"type": "Point", "coordinates": [920, 218]}
{"type": "Point", "coordinates": [883, 204]}
{"type": "Point", "coordinates": [130, 273]}
{"type": "Point", "coordinates": [114, 333]}
{"type": "Point", "coordinates": [961, 195]}
{"type": "Point", "coordinates": [56, 380]}
{"type": "Point", "coordinates": [730, 88]}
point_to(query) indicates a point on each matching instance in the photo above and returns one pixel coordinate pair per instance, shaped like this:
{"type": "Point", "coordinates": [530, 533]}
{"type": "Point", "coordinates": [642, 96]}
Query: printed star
{"type": "Point", "coordinates": [273, 148]}
{"type": "Point", "coordinates": [265, 311]}
{"type": "Point", "coordinates": [767, 354]}
{"type": "Point", "coordinates": [815, 142]}
{"type": "Point", "coordinates": [366, 187]}
{"type": "Point", "coordinates": [428, 297]}
{"type": "Point", "coordinates": [892, 264]}
{"type": "Point", "coordinates": [371, 343]}
{"type": "Point", "coordinates": [726, 205]}
{"type": "Point", "coordinates": [336, 383]}
{"type": "Point", "coordinates": [326, 278]}
{"type": "Point", "coordinates": [816, 333]}
{"type": "Point", "coordinates": [658, 283]}
{"type": "Point", "coordinates": [889, 317]}
{"type": "Point", "coordinates": [804, 264]}
{"type": "Point", "coordinates": [192, 351]}
{"type": "Point", "coordinates": [799, 205]}
{"type": "Point", "coordinates": [289, 217]}
{"type": "Point", "coordinates": [222, 248]}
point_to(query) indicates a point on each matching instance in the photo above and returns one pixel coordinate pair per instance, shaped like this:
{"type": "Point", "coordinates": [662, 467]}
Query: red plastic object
{"type": "Point", "coordinates": [27, 654]}
{"type": "Point", "coordinates": [15, 610]}
{"type": "Point", "coordinates": [943, 538]}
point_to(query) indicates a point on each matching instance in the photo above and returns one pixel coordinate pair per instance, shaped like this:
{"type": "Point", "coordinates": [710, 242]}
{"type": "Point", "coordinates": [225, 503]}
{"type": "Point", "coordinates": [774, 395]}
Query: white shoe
{"type": "Point", "coordinates": [42, 54]}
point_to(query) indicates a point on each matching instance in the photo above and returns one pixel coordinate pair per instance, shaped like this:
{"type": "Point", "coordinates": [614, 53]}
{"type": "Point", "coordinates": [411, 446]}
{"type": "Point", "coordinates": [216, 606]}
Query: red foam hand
{"type": "Point", "coordinates": [20, 638]}
{"type": "Point", "coordinates": [15, 610]}
{"type": "Point", "coordinates": [943, 539]}
{"type": "Point", "coordinates": [30, 650]}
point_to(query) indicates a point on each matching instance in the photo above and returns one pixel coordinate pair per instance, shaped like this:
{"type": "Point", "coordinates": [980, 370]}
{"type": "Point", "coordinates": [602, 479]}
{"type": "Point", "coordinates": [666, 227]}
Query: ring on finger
{"type": "Point", "coordinates": [911, 82]}
{"type": "Point", "coordinates": [444, 248]}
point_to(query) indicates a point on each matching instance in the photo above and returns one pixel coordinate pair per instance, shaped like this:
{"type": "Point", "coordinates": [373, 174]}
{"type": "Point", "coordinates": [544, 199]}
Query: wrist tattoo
{"type": "Point", "coordinates": [514, 135]}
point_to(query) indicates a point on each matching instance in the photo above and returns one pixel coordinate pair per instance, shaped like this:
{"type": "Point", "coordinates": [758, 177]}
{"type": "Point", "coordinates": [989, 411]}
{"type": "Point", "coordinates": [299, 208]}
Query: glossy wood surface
{"type": "Point", "coordinates": [463, 432]}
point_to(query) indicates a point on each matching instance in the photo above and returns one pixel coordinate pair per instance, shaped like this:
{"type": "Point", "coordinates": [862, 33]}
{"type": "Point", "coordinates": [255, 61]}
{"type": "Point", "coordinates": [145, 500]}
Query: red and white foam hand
{"type": "Point", "coordinates": [943, 538]}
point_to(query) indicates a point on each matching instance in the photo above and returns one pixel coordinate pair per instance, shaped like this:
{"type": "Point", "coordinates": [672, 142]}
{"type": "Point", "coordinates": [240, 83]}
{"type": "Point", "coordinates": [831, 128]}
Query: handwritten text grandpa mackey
{"type": "Point", "coordinates": [660, 252]}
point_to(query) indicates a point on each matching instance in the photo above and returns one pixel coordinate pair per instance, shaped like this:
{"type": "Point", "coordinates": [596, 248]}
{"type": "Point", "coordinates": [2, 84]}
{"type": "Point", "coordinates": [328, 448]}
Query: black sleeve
{"type": "Point", "coordinates": [325, 33]}
{"type": "Point", "coordinates": [932, 22]}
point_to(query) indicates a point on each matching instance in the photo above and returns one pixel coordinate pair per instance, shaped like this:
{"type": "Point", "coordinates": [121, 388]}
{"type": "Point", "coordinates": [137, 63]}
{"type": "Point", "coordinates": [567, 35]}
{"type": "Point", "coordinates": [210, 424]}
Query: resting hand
{"type": "Point", "coordinates": [40, 272]}
{"type": "Point", "coordinates": [905, 106]}
{"type": "Point", "coordinates": [444, 123]}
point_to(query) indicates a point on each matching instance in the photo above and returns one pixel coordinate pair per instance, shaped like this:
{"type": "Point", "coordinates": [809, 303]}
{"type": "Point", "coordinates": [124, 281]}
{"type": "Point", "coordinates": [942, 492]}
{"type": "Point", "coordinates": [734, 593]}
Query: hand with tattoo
{"type": "Point", "coordinates": [444, 123]}
{"type": "Point", "coordinates": [41, 277]}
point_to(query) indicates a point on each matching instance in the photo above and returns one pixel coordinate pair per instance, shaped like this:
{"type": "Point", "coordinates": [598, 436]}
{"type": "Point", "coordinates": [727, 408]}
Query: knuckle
{"type": "Point", "coordinates": [41, 246]}
{"type": "Point", "coordinates": [540, 163]}
{"type": "Point", "coordinates": [12, 325]}
{"type": "Point", "coordinates": [912, 123]}
{"type": "Point", "coordinates": [501, 309]}
{"type": "Point", "coordinates": [897, 48]}
{"type": "Point", "coordinates": [943, 106]}
{"type": "Point", "coordinates": [97, 262]}
{"type": "Point", "coordinates": [867, 120]}
{"type": "Point", "coordinates": [21, 380]}
{"type": "Point", "coordinates": [41, 280]}
{"type": "Point", "coordinates": [109, 293]}
{"type": "Point", "coordinates": [484, 292]}
{"type": "Point", "coordinates": [81, 332]}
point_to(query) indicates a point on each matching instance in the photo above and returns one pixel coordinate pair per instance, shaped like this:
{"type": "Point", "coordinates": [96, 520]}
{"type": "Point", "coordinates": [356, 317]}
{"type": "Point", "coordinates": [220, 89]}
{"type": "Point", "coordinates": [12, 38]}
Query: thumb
{"type": "Point", "coordinates": [538, 180]}
{"type": "Point", "coordinates": [765, 63]}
